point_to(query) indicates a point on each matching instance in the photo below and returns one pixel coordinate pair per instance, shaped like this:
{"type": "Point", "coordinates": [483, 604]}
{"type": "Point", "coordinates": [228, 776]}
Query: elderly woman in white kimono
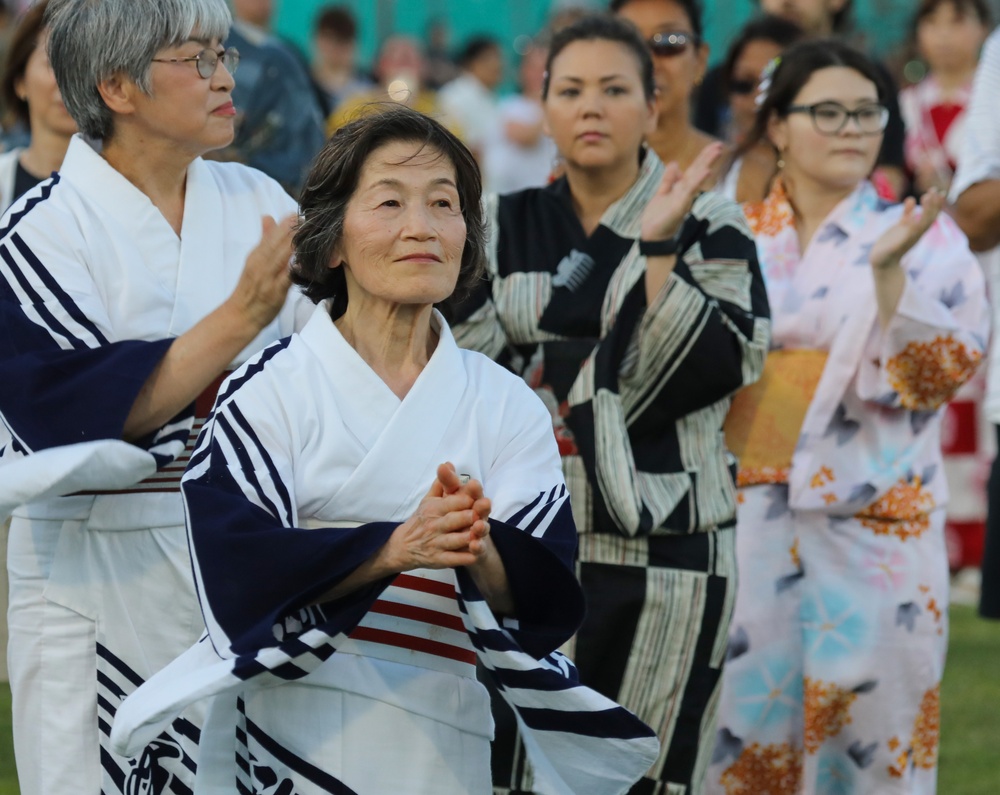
{"type": "Point", "coordinates": [129, 283]}
{"type": "Point", "coordinates": [371, 508]}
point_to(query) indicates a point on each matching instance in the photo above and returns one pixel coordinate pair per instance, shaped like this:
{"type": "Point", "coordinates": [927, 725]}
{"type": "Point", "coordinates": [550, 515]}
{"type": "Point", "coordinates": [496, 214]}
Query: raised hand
{"type": "Point", "coordinates": [451, 483]}
{"type": "Point", "coordinates": [890, 248]}
{"type": "Point", "coordinates": [676, 193]}
{"type": "Point", "coordinates": [263, 285]}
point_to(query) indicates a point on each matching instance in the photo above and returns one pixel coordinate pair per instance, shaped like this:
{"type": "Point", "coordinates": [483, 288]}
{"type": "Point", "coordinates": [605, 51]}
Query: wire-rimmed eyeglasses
{"type": "Point", "coordinates": [208, 59]}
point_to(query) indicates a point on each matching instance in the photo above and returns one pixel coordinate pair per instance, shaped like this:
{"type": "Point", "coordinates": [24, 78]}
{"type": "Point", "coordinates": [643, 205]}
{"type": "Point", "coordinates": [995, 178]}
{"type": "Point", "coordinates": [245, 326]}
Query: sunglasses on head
{"type": "Point", "coordinates": [671, 43]}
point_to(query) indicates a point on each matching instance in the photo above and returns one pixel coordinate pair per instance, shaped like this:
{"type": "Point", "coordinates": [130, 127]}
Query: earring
{"type": "Point", "coordinates": [781, 159]}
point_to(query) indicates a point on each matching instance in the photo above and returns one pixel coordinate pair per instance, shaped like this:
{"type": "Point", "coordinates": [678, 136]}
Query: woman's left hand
{"type": "Point", "coordinates": [665, 212]}
{"type": "Point", "coordinates": [890, 249]}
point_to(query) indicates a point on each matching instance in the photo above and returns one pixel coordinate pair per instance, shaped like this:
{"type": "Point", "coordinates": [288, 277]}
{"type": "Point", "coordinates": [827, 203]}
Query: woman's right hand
{"type": "Point", "coordinates": [264, 283]}
{"type": "Point", "coordinates": [443, 532]}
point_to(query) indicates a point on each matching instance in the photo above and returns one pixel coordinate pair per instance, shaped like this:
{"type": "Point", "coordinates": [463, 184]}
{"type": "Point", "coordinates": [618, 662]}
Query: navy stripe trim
{"type": "Point", "coordinates": [121, 667]}
{"type": "Point", "coordinates": [615, 723]}
{"type": "Point", "coordinates": [252, 369]}
{"type": "Point", "coordinates": [38, 303]}
{"type": "Point", "coordinates": [30, 205]}
{"type": "Point", "coordinates": [111, 768]}
{"type": "Point", "coordinates": [60, 294]}
{"type": "Point", "coordinates": [295, 763]}
{"type": "Point", "coordinates": [272, 470]}
{"type": "Point", "coordinates": [517, 517]}
{"type": "Point", "coordinates": [246, 465]}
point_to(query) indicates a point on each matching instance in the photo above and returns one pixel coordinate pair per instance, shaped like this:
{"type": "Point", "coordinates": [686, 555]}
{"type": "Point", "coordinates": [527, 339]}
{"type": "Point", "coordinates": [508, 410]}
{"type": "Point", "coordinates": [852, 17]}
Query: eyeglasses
{"type": "Point", "coordinates": [668, 45]}
{"type": "Point", "coordinates": [829, 118]}
{"type": "Point", "coordinates": [208, 59]}
{"type": "Point", "coordinates": [742, 87]}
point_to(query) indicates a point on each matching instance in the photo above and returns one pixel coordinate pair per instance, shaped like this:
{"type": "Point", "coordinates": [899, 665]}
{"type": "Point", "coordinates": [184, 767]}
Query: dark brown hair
{"type": "Point", "coordinates": [977, 8]}
{"type": "Point", "coordinates": [22, 45]}
{"type": "Point", "coordinates": [334, 178]}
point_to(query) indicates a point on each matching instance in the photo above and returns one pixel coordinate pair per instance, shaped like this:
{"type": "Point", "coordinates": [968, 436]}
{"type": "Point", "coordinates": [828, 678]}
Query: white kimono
{"type": "Point", "coordinates": [94, 287]}
{"type": "Point", "coordinates": [307, 466]}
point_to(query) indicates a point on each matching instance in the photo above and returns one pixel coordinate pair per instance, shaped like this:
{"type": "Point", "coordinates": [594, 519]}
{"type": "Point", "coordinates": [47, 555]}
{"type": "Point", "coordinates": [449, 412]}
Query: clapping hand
{"type": "Point", "coordinates": [898, 239]}
{"type": "Point", "coordinates": [676, 193]}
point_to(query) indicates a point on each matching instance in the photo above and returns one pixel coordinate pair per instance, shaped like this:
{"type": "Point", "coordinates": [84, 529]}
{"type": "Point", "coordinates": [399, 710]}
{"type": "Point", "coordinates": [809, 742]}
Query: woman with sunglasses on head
{"type": "Point", "coordinates": [632, 303]}
{"type": "Point", "coordinates": [758, 44]}
{"type": "Point", "coordinates": [129, 282]}
{"type": "Point", "coordinates": [839, 636]}
{"type": "Point", "coordinates": [672, 30]}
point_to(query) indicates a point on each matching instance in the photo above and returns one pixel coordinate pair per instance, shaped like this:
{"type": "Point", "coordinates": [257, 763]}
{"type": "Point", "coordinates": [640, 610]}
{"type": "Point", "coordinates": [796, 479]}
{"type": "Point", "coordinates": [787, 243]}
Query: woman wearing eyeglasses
{"type": "Point", "coordinates": [673, 31]}
{"type": "Point", "coordinates": [632, 303]}
{"type": "Point", "coordinates": [838, 641]}
{"type": "Point", "coordinates": [129, 283]}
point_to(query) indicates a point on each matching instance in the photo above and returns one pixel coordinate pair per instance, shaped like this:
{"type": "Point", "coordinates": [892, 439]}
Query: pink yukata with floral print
{"type": "Point", "coordinates": [831, 685]}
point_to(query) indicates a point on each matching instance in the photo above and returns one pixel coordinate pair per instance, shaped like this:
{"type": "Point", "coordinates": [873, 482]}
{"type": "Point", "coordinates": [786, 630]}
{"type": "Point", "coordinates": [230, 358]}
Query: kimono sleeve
{"type": "Point", "coordinates": [706, 333]}
{"type": "Point", "coordinates": [259, 576]}
{"type": "Point", "coordinates": [532, 527]}
{"type": "Point", "coordinates": [64, 378]}
{"type": "Point", "coordinates": [937, 338]}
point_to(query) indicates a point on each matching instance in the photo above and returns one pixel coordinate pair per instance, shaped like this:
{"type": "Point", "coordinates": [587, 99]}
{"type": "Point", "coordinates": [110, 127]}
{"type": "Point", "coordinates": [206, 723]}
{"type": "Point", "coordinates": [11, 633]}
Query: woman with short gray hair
{"type": "Point", "coordinates": [129, 283]}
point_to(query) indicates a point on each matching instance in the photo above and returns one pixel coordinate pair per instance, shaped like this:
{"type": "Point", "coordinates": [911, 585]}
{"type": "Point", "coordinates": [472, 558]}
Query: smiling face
{"type": "Point", "coordinates": [596, 110]}
{"type": "Point", "coordinates": [677, 74]}
{"type": "Point", "coordinates": [831, 162]}
{"type": "Point", "coordinates": [38, 88]}
{"type": "Point", "coordinates": [404, 232]}
{"type": "Point", "coordinates": [183, 109]}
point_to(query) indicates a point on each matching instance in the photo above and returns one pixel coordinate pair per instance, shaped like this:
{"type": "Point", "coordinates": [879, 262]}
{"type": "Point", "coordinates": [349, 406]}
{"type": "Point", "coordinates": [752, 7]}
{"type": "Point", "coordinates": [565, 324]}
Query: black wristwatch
{"type": "Point", "coordinates": [658, 248]}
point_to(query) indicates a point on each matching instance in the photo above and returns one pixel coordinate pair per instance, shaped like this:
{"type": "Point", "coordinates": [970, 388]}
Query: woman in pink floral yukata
{"type": "Point", "coordinates": [838, 640]}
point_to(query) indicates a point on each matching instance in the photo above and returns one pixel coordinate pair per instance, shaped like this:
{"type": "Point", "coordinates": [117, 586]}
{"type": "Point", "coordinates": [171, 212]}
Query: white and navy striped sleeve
{"type": "Point", "coordinates": [64, 378]}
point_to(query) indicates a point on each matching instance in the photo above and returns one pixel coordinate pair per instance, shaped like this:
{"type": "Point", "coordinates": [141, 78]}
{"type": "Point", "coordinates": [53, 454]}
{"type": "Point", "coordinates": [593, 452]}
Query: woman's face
{"type": "Point", "coordinates": [751, 62]}
{"type": "Point", "coordinates": [183, 109]}
{"type": "Point", "coordinates": [596, 111]}
{"type": "Point", "coordinates": [404, 232]}
{"type": "Point", "coordinates": [835, 162]}
{"type": "Point", "coordinates": [37, 86]}
{"type": "Point", "coordinates": [676, 74]}
{"type": "Point", "coordinates": [950, 41]}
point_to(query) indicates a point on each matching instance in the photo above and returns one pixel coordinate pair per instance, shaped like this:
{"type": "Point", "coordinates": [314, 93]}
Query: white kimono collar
{"type": "Point", "coordinates": [408, 442]}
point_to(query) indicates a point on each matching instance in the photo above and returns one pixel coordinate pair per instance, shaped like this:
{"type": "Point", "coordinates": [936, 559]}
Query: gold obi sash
{"type": "Point", "coordinates": [765, 419]}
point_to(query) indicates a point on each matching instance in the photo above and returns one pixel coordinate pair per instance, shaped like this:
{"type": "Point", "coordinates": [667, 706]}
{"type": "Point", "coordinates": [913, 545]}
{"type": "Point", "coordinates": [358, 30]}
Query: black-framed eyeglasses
{"type": "Point", "coordinates": [208, 59]}
{"type": "Point", "coordinates": [829, 118]}
{"type": "Point", "coordinates": [671, 43]}
{"type": "Point", "coordinates": [742, 87]}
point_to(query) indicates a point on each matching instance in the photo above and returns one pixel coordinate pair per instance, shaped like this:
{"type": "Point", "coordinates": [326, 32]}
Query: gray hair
{"type": "Point", "coordinates": [92, 40]}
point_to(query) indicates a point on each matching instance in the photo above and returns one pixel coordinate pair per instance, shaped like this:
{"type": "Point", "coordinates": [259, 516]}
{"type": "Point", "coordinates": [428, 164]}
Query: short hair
{"type": "Point", "coordinates": [475, 48]}
{"type": "Point", "coordinates": [337, 22]}
{"type": "Point", "coordinates": [334, 178]}
{"type": "Point", "coordinates": [19, 50]}
{"type": "Point", "coordinates": [92, 40]}
{"type": "Point", "coordinates": [603, 27]}
{"type": "Point", "coordinates": [778, 30]}
{"type": "Point", "coordinates": [977, 8]}
{"type": "Point", "coordinates": [690, 7]}
{"type": "Point", "coordinates": [796, 66]}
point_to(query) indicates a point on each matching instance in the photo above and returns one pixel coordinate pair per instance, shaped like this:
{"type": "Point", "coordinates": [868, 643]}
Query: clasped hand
{"type": "Point", "coordinates": [449, 528]}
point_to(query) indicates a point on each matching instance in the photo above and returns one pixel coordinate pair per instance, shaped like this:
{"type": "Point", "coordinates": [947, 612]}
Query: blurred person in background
{"type": "Point", "coordinates": [519, 154]}
{"type": "Point", "coordinates": [400, 69]}
{"type": "Point", "coordinates": [632, 302]}
{"type": "Point", "coordinates": [129, 282]}
{"type": "Point", "coordinates": [838, 641]}
{"type": "Point", "coordinates": [761, 41]}
{"type": "Point", "coordinates": [673, 32]}
{"type": "Point", "coordinates": [471, 98]}
{"type": "Point", "coordinates": [279, 126]}
{"type": "Point", "coordinates": [335, 35]}
{"type": "Point", "coordinates": [29, 90]}
{"type": "Point", "coordinates": [441, 68]}
{"type": "Point", "coordinates": [975, 191]}
{"type": "Point", "coordinates": [949, 35]}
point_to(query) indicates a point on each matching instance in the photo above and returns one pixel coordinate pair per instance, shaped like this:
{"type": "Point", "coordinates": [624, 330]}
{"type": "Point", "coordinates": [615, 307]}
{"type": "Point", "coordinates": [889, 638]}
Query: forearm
{"type": "Point", "coordinates": [490, 577]}
{"type": "Point", "coordinates": [372, 570]}
{"type": "Point", "coordinates": [977, 212]}
{"type": "Point", "coordinates": [191, 363]}
{"type": "Point", "coordinates": [890, 281]}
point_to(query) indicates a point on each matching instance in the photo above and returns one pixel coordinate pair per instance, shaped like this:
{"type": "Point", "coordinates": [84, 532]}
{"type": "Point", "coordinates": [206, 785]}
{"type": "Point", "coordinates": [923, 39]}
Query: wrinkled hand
{"type": "Point", "coordinates": [676, 193]}
{"type": "Point", "coordinates": [447, 529]}
{"type": "Point", "coordinates": [264, 283]}
{"type": "Point", "coordinates": [904, 234]}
